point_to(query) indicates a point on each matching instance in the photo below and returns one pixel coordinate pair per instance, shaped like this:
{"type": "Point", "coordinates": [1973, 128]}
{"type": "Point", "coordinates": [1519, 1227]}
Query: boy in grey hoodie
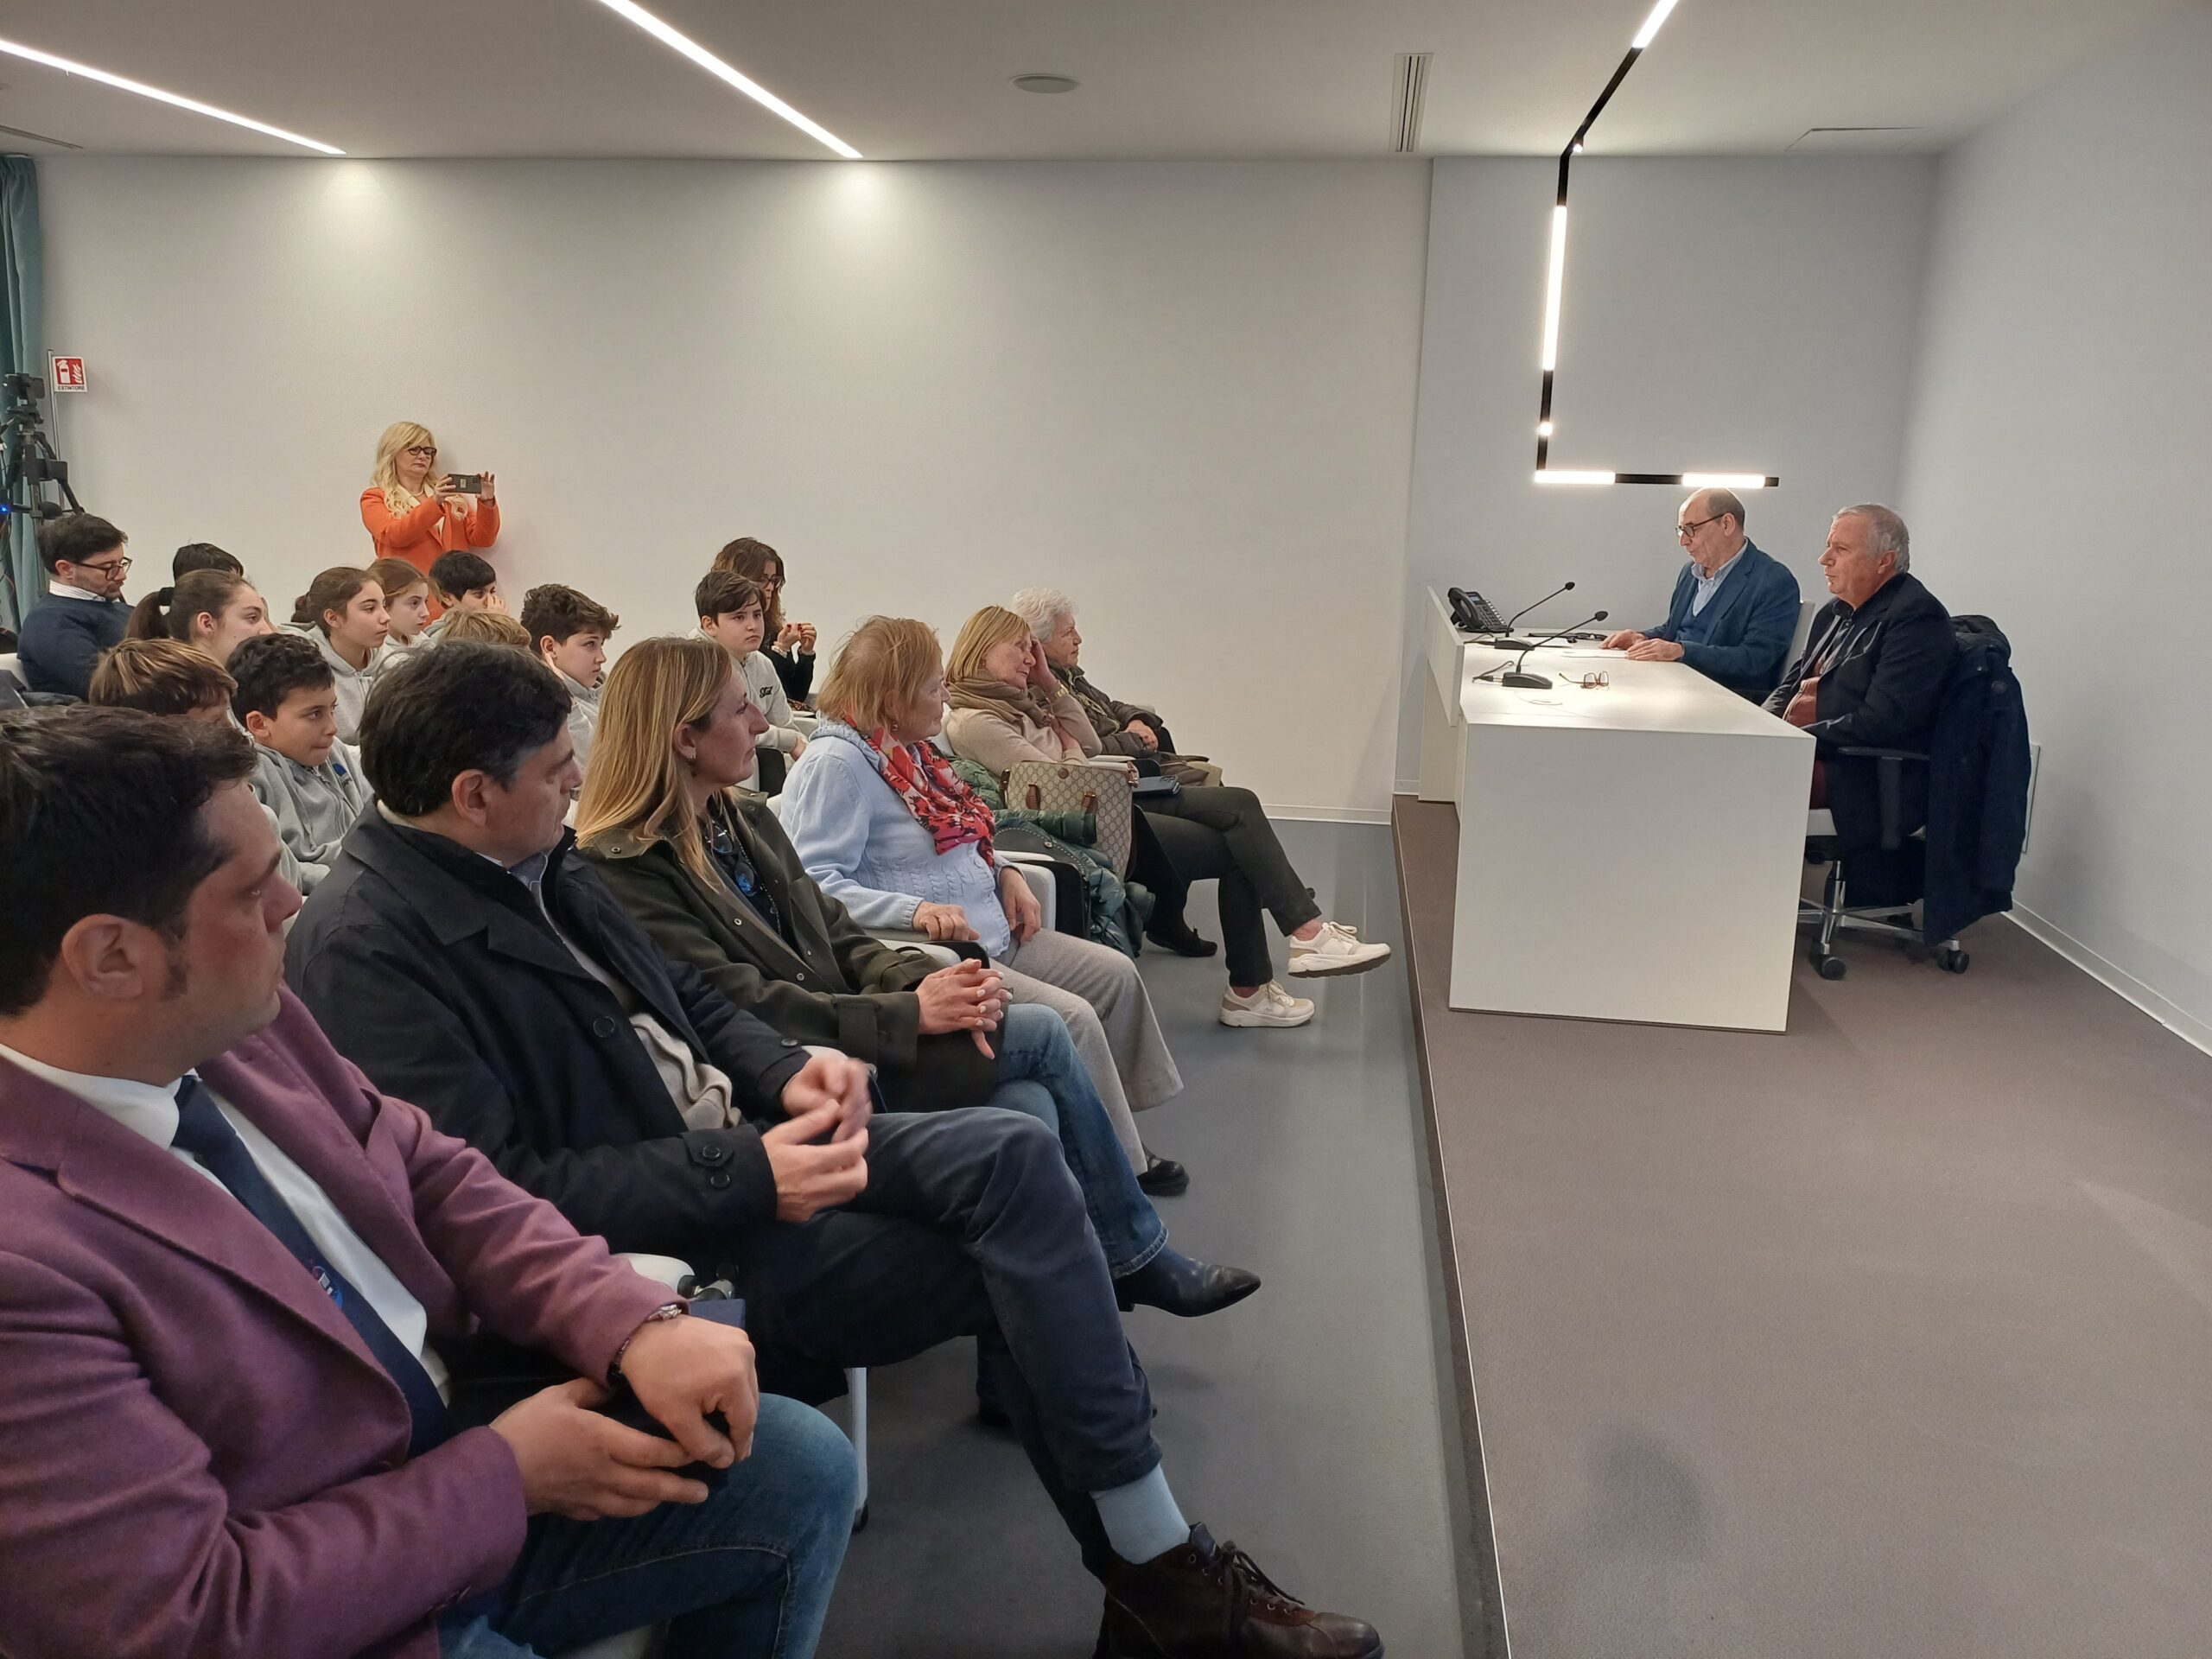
{"type": "Point", "coordinates": [569, 631]}
{"type": "Point", "coordinates": [287, 700]}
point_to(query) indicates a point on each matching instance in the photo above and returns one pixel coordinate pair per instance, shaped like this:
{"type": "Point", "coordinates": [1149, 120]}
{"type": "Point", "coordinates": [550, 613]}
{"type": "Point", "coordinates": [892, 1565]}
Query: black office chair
{"type": "Point", "coordinates": [1893, 919]}
{"type": "Point", "coordinates": [1952, 819]}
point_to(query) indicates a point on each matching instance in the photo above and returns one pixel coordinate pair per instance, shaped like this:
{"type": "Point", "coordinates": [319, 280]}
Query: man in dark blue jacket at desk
{"type": "Point", "coordinates": [1734, 609]}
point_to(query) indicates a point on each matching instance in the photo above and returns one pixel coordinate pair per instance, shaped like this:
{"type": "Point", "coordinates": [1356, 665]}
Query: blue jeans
{"type": "Point", "coordinates": [745, 1575]}
{"type": "Point", "coordinates": [1044, 1077]}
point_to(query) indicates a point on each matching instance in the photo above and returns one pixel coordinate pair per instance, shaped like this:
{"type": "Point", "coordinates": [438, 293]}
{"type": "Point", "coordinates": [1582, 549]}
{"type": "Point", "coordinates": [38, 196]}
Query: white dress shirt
{"type": "Point", "coordinates": [148, 1109]}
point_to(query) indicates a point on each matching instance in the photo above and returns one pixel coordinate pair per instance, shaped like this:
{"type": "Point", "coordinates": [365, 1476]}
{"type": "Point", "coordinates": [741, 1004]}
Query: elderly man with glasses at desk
{"type": "Point", "coordinates": [1734, 609]}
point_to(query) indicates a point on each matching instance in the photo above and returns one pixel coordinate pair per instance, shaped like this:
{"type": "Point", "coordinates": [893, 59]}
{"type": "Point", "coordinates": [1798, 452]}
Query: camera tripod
{"type": "Point", "coordinates": [28, 466]}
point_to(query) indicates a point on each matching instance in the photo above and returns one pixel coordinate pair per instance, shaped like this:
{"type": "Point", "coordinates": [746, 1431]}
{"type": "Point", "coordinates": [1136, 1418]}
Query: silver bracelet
{"type": "Point", "coordinates": [665, 1311]}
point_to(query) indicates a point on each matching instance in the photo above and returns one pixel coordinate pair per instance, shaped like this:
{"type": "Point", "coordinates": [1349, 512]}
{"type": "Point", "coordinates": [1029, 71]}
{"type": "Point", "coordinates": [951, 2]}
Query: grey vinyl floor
{"type": "Point", "coordinates": [1304, 1424]}
{"type": "Point", "coordinates": [1890, 1335]}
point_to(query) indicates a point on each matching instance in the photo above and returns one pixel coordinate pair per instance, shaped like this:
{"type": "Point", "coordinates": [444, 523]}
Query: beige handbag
{"type": "Point", "coordinates": [1070, 786]}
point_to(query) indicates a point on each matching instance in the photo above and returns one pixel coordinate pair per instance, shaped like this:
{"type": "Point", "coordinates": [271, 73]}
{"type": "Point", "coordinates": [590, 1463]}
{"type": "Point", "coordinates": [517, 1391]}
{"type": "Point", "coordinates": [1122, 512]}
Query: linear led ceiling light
{"type": "Point", "coordinates": [676, 41]}
{"type": "Point", "coordinates": [124, 83]}
{"type": "Point", "coordinates": [1555, 283]}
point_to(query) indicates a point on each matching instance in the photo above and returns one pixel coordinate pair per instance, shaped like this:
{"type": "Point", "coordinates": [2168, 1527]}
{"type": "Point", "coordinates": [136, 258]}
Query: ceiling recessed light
{"type": "Point", "coordinates": [122, 83]}
{"type": "Point", "coordinates": [678, 41]}
{"type": "Point", "coordinates": [1046, 83]}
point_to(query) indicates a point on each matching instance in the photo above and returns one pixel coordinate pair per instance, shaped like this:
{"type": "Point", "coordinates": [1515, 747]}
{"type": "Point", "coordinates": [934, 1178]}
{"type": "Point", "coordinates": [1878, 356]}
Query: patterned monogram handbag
{"type": "Point", "coordinates": [1100, 790]}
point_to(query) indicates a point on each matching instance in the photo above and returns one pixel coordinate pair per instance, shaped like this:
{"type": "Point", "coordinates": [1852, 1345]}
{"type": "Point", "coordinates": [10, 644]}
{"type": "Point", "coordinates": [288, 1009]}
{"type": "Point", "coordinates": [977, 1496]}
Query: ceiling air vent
{"type": "Point", "coordinates": [1408, 95]}
{"type": "Point", "coordinates": [1855, 141]}
{"type": "Point", "coordinates": [39, 138]}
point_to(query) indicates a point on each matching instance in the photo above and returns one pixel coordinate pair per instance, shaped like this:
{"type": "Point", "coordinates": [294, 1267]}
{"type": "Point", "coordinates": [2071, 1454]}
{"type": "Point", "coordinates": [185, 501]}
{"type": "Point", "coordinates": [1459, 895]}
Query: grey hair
{"type": "Point", "coordinates": [1042, 608]}
{"type": "Point", "coordinates": [1890, 535]}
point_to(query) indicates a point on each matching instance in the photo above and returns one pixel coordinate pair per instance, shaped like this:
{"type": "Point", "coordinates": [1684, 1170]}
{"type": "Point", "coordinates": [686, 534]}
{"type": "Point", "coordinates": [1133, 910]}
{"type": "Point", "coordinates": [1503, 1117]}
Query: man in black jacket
{"type": "Point", "coordinates": [1872, 672]}
{"type": "Point", "coordinates": [466, 961]}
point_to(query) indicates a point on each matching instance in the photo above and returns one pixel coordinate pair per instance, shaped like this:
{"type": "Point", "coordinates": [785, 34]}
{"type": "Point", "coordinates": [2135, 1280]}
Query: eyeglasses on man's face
{"type": "Point", "coordinates": [106, 567]}
{"type": "Point", "coordinates": [1683, 533]}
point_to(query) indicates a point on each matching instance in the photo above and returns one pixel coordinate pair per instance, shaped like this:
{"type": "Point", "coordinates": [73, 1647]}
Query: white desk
{"type": "Point", "coordinates": [1628, 852]}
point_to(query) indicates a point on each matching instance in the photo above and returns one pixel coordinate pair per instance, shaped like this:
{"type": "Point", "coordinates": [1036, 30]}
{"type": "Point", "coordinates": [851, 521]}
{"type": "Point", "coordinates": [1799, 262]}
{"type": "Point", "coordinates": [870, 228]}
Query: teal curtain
{"type": "Point", "coordinates": [23, 346]}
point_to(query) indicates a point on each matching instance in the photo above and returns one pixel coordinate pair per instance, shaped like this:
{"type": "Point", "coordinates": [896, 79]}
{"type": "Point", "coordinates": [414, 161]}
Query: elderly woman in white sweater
{"type": "Point", "coordinates": [884, 826]}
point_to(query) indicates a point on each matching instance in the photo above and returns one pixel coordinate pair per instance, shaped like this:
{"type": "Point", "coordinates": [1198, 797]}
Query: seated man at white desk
{"type": "Point", "coordinates": [1874, 664]}
{"type": "Point", "coordinates": [1734, 609]}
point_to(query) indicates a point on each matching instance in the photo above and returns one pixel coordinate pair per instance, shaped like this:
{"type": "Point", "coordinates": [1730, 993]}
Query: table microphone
{"type": "Point", "coordinates": [1509, 644]}
{"type": "Point", "coordinates": [1535, 682]}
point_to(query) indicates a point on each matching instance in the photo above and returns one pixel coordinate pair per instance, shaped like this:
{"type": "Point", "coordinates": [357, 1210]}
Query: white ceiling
{"type": "Point", "coordinates": [911, 80]}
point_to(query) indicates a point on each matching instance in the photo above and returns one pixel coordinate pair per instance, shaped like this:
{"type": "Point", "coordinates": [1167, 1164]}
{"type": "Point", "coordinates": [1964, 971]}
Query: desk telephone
{"type": "Point", "coordinates": [1472, 613]}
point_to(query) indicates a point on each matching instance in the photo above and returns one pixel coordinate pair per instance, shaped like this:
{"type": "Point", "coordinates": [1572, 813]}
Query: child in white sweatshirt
{"type": "Point", "coordinates": [733, 613]}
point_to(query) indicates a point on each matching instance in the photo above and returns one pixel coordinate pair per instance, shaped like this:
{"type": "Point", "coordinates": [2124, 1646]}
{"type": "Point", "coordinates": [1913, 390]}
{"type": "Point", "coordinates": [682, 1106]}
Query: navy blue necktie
{"type": "Point", "coordinates": [203, 1131]}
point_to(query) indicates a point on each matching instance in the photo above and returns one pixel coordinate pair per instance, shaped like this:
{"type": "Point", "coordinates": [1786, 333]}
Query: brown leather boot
{"type": "Point", "coordinates": [1202, 1602]}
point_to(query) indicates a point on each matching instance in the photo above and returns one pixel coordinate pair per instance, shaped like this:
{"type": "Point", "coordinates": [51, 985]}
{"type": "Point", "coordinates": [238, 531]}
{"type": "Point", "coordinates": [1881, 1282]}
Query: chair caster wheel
{"type": "Point", "coordinates": [1830, 966]}
{"type": "Point", "coordinates": [859, 1519]}
{"type": "Point", "coordinates": [1952, 960]}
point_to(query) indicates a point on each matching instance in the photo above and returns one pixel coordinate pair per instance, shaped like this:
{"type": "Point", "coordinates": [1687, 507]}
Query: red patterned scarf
{"type": "Point", "coordinates": [952, 813]}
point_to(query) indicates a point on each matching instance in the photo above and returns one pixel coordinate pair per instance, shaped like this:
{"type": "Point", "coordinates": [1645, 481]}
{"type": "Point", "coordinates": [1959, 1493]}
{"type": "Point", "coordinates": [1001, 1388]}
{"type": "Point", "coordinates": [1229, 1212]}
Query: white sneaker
{"type": "Point", "coordinates": [1268, 1006]}
{"type": "Point", "coordinates": [1335, 950]}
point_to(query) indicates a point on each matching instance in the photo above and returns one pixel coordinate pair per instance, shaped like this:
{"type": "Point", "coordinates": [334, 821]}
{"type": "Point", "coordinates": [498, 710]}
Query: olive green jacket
{"type": "Point", "coordinates": [829, 982]}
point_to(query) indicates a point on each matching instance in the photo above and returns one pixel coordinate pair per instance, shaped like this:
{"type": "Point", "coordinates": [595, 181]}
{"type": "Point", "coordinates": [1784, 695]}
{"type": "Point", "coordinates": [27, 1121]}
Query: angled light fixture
{"type": "Point", "coordinates": [676, 41]}
{"type": "Point", "coordinates": [176, 101]}
{"type": "Point", "coordinates": [1554, 285]}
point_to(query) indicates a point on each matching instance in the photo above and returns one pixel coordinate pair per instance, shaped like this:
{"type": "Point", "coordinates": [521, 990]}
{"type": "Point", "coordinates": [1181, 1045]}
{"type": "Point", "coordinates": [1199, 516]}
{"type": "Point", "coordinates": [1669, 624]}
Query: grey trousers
{"type": "Point", "coordinates": [1096, 990]}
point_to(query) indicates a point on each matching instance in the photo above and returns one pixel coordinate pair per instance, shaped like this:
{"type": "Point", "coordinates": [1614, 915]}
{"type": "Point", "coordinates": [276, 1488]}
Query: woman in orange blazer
{"type": "Point", "coordinates": [410, 516]}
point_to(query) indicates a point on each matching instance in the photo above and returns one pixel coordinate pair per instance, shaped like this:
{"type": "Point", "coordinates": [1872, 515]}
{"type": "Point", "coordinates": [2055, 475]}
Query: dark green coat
{"type": "Point", "coordinates": [835, 984]}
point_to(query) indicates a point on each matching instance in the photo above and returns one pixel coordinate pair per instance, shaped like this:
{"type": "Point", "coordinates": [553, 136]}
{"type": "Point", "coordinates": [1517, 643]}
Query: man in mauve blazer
{"type": "Point", "coordinates": [206, 1451]}
{"type": "Point", "coordinates": [1734, 610]}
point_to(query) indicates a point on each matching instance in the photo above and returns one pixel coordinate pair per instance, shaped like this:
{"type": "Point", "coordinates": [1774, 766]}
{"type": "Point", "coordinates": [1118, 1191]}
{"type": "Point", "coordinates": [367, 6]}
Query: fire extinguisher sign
{"type": "Point", "coordinates": [68, 373]}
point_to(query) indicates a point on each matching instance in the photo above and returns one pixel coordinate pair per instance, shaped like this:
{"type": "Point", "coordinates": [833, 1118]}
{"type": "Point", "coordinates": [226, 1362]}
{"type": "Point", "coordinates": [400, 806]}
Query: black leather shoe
{"type": "Point", "coordinates": [1163, 1177]}
{"type": "Point", "coordinates": [1200, 1601]}
{"type": "Point", "coordinates": [1176, 936]}
{"type": "Point", "coordinates": [1175, 1284]}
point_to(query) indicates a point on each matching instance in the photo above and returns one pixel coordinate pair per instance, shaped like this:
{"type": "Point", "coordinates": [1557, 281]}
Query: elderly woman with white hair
{"type": "Point", "coordinates": [1208, 832]}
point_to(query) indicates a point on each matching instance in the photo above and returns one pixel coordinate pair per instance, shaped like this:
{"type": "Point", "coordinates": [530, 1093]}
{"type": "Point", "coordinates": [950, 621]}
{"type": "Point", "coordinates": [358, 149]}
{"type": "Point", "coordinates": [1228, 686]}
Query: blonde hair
{"type": "Point", "coordinates": [396, 576]}
{"type": "Point", "coordinates": [400, 434]}
{"type": "Point", "coordinates": [989, 627]}
{"type": "Point", "coordinates": [635, 781]}
{"type": "Point", "coordinates": [162, 676]}
{"type": "Point", "coordinates": [487, 628]}
{"type": "Point", "coordinates": [883, 665]}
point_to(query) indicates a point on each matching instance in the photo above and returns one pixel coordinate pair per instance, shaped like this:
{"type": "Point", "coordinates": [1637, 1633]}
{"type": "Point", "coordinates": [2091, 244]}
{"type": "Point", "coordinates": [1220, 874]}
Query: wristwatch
{"type": "Point", "coordinates": [665, 1311]}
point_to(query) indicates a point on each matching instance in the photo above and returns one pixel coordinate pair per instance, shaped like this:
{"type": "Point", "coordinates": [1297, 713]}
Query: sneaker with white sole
{"type": "Point", "coordinates": [1335, 950]}
{"type": "Point", "coordinates": [1270, 1005]}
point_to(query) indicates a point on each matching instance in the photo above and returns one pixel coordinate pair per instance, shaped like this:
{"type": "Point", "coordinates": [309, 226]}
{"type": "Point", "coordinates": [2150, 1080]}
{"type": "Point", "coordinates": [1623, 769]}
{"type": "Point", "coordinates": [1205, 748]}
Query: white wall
{"type": "Point", "coordinates": [1183, 392]}
{"type": "Point", "coordinates": [1732, 314]}
{"type": "Point", "coordinates": [2059, 478]}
